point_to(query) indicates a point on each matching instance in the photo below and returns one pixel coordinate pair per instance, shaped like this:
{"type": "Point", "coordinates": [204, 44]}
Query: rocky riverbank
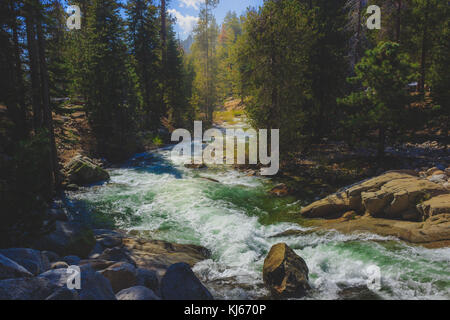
{"type": "Point", "coordinates": [413, 206]}
{"type": "Point", "coordinates": [118, 266]}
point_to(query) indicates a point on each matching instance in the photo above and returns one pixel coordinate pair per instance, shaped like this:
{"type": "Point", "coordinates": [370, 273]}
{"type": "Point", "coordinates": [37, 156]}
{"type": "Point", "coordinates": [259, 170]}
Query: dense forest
{"type": "Point", "coordinates": [309, 67]}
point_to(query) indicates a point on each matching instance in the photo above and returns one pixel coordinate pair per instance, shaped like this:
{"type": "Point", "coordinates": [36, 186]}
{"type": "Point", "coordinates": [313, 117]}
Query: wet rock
{"type": "Point", "coordinates": [26, 289]}
{"type": "Point", "coordinates": [32, 260]}
{"type": "Point", "coordinates": [280, 190]}
{"type": "Point", "coordinates": [68, 238]}
{"type": "Point", "coordinates": [180, 283]}
{"type": "Point", "coordinates": [11, 269]}
{"type": "Point", "coordinates": [292, 232]}
{"type": "Point", "coordinates": [195, 166]}
{"type": "Point", "coordinates": [94, 286]}
{"type": "Point", "coordinates": [285, 273]}
{"type": "Point", "coordinates": [137, 293]}
{"type": "Point", "coordinates": [82, 171]}
{"type": "Point", "coordinates": [358, 293]}
{"type": "Point", "coordinates": [121, 275]}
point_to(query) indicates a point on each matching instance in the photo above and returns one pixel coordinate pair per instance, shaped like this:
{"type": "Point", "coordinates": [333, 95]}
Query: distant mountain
{"type": "Point", "coordinates": [186, 44]}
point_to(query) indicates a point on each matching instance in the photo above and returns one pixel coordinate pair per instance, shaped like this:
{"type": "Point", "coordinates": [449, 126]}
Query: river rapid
{"type": "Point", "coordinates": [232, 214]}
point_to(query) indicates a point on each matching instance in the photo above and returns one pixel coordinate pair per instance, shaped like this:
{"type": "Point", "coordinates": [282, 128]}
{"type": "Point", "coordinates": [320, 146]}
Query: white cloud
{"type": "Point", "coordinates": [186, 23]}
{"type": "Point", "coordinates": [190, 3]}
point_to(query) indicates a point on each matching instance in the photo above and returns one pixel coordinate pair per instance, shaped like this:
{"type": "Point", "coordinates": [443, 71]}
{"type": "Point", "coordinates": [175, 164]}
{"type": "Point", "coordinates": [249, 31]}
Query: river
{"type": "Point", "coordinates": [236, 217]}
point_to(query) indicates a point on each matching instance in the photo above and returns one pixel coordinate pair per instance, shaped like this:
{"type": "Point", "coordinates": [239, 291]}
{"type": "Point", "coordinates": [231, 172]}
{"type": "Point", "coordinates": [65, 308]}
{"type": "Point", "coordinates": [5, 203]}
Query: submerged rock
{"type": "Point", "coordinates": [82, 170]}
{"type": "Point", "coordinates": [285, 273]}
{"type": "Point", "coordinates": [280, 190]}
{"type": "Point", "coordinates": [180, 283]}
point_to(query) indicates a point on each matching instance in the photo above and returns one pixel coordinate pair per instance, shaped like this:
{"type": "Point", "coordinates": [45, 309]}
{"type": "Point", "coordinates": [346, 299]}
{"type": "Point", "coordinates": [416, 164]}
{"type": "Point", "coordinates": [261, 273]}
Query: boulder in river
{"type": "Point", "coordinates": [285, 273]}
{"type": "Point", "coordinates": [82, 171]}
{"type": "Point", "coordinates": [280, 190]}
{"type": "Point", "coordinates": [180, 283]}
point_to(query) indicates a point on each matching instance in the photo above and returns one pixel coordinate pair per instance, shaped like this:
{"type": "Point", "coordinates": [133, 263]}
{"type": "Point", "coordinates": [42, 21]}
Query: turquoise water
{"type": "Point", "coordinates": [234, 218]}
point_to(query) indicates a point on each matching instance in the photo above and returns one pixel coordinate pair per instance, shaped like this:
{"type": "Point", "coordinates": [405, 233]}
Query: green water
{"type": "Point", "coordinates": [235, 218]}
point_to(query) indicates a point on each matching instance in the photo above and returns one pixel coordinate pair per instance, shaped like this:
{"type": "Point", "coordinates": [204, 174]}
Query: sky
{"type": "Point", "coordinates": [186, 12]}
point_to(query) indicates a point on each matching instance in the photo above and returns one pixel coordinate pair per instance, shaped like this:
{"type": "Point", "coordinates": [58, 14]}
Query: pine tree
{"type": "Point", "coordinates": [144, 42]}
{"type": "Point", "coordinates": [108, 80]}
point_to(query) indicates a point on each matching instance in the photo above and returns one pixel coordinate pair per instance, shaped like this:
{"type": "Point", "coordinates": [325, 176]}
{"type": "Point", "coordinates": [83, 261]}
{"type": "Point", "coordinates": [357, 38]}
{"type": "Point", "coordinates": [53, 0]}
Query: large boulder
{"type": "Point", "coordinates": [392, 195]}
{"type": "Point", "coordinates": [149, 279]}
{"type": "Point", "coordinates": [137, 293]}
{"type": "Point", "coordinates": [121, 275]}
{"type": "Point", "coordinates": [94, 286]}
{"type": "Point", "coordinates": [158, 255]}
{"type": "Point", "coordinates": [68, 238]}
{"type": "Point", "coordinates": [26, 289]}
{"type": "Point", "coordinates": [11, 269]}
{"type": "Point", "coordinates": [32, 260]}
{"type": "Point", "coordinates": [437, 205]}
{"type": "Point", "coordinates": [285, 273]}
{"type": "Point", "coordinates": [180, 283]}
{"type": "Point", "coordinates": [82, 171]}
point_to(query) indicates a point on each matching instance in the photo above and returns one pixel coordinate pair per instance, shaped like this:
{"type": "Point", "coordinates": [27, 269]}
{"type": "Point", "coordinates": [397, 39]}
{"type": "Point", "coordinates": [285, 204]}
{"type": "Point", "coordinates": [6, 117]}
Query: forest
{"type": "Point", "coordinates": [311, 68]}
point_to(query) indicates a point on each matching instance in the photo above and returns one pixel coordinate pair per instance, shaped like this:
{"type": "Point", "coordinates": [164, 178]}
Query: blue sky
{"type": "Point", "coordinates": [186, 12]}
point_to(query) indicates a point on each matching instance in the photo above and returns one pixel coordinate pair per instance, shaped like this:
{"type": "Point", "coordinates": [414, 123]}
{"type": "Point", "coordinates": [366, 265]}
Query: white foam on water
{"type": "Point", "coordinates": [176, 203]}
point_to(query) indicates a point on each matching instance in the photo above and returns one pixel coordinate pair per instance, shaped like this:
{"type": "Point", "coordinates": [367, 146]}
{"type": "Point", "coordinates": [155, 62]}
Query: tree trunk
{"type": "Point", "coordinates": [381, 142]}
{"type": "Point", "coordinates": [48, 119]}
{"type": "Point", "coordinates": [399, 21]}
{"type": "Point", "coordinates": [423, 59]}
{"type": "Point", "coordinates": [34, 67]}
{"type": "Point", "coordinates": [163, 53]}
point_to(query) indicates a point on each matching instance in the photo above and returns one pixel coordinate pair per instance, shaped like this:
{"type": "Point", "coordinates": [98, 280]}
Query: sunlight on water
{"type": "Point", "coordinates": [180, 205]}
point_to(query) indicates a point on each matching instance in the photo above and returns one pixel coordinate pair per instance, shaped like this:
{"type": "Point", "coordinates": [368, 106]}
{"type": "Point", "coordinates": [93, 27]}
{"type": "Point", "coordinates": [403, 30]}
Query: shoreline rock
{"type": "Point", "coordinates": [396, 203]}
